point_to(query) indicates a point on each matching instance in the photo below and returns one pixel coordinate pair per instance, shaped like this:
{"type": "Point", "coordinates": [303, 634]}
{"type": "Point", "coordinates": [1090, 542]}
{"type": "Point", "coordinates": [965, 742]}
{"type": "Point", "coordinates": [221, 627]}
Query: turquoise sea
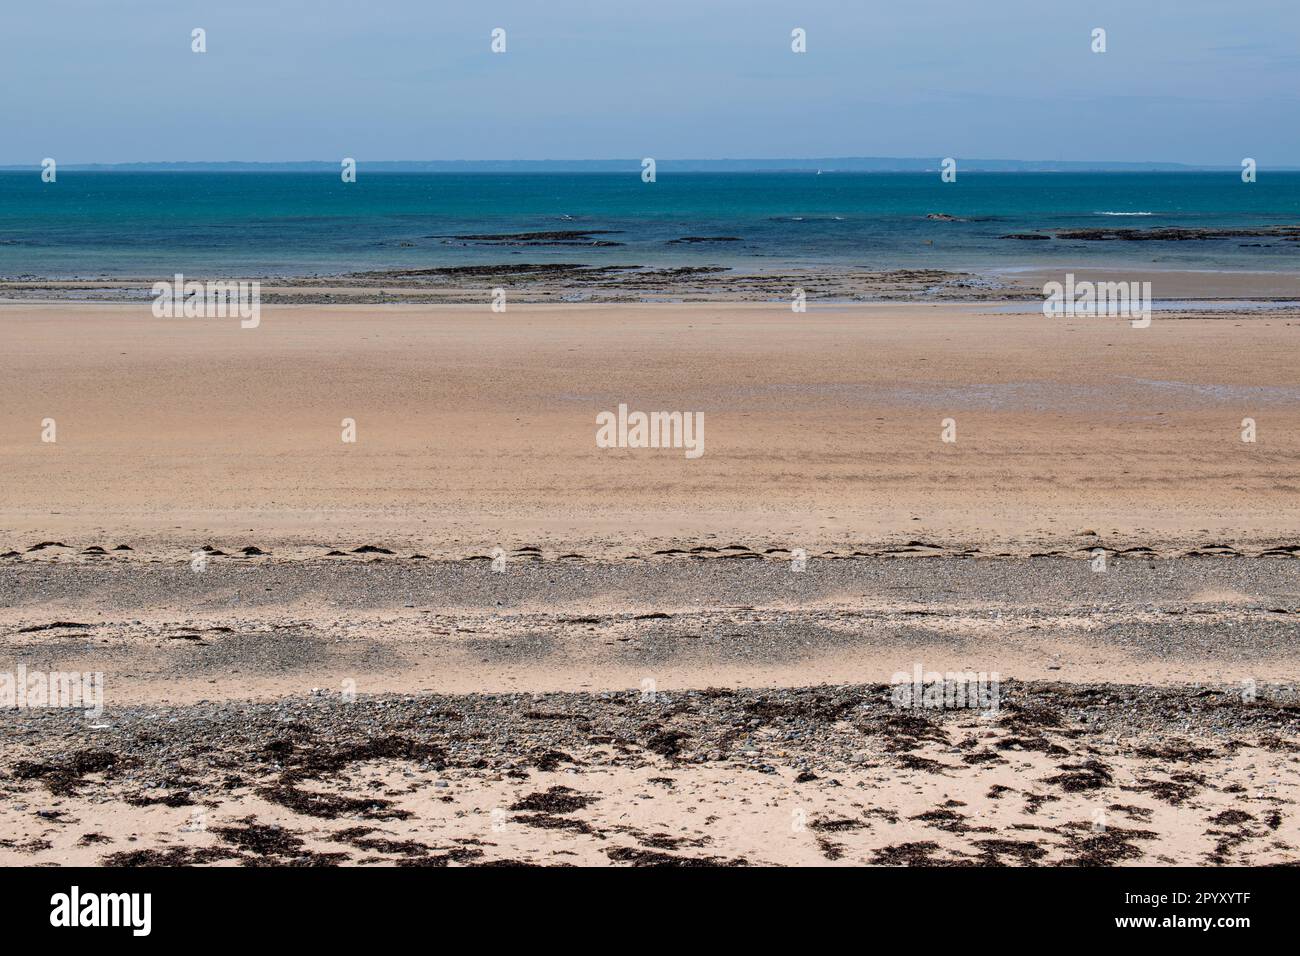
{"type": "Point", "coordinates": [147, 224]}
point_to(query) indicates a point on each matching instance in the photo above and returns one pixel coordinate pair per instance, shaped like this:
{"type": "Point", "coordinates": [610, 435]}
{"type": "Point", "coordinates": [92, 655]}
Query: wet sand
{"type": "Point", "coordinates": [562, 283]}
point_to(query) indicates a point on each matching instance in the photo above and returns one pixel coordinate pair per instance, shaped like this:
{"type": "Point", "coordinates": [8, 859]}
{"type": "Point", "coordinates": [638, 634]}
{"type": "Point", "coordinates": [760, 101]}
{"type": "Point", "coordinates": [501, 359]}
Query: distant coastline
{"type": "Point", "coordinates": [834, 164]}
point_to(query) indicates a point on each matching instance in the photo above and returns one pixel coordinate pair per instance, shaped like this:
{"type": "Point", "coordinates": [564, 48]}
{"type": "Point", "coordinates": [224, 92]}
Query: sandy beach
{"type": "Point", "coordinates": [309, 656]}
{"type": "Point", "coordinates": [476, 429]}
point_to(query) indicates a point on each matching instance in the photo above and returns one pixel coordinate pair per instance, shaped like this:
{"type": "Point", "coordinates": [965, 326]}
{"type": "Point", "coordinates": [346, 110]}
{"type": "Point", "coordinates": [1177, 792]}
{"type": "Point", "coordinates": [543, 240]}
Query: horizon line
{"type": "Point", "coordinates": [825, 164]}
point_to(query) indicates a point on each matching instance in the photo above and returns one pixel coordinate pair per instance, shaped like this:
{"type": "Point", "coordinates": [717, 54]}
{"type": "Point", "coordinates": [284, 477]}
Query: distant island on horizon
{"type": "Point", "coordinates": [849, 164]}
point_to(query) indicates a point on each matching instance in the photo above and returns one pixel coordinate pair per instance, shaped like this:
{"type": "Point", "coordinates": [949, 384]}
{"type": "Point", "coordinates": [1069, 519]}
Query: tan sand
{"type": "Point", "coordinates": [477, 428]}
{"type": "Point", "coordinates": [1090, 776]}
{"type": "Point", "coordinates": [663, 813]}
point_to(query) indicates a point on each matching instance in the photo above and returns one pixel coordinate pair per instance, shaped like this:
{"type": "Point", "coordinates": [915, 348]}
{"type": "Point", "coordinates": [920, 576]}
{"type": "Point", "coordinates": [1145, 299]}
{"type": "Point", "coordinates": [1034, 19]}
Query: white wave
{"type": "Point", "coordinates": [1107, 212]}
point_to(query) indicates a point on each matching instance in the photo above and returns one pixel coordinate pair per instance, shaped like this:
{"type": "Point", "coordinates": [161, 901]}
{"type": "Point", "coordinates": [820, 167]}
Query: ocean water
{"type": "Point", "coordinates": [91, 224]}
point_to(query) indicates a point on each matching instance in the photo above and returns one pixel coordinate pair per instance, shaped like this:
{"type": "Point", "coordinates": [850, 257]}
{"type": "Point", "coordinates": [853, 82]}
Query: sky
{"type": "Point", "coordinates": [1205, 82]}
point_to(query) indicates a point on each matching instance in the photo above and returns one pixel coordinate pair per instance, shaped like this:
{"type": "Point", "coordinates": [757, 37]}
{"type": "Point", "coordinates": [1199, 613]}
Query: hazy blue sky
{"type": "Point", "coordinates": [1196, 81]}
